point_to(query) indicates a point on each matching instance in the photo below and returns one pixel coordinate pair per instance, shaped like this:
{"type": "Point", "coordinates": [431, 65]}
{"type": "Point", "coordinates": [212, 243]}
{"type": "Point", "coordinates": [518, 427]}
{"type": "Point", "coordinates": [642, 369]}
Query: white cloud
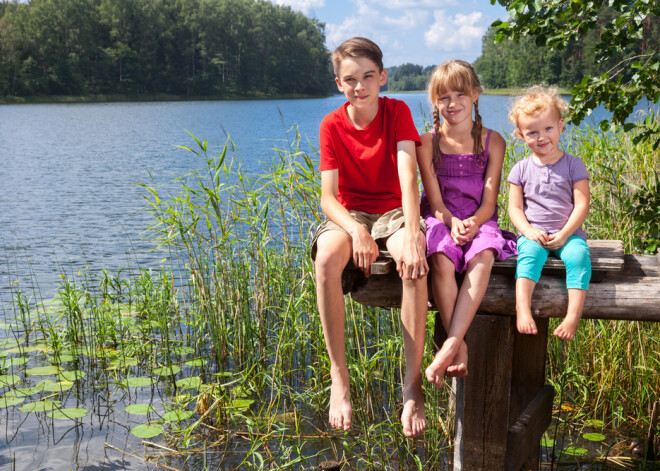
{"type": "Point", "coordinates": [454, 33]}
{"type": "Point", "coordinates": [305, 6]}
{"type": "Point", "coordinates": [408, 4]}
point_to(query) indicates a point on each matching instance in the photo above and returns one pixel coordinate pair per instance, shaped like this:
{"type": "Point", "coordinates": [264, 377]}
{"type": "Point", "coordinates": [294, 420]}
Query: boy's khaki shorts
{"type": "Point", "coordinates": [380, 226]}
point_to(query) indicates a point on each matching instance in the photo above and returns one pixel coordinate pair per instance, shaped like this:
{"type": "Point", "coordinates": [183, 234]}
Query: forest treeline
{"type": "Point", "coordinates": [520, 64]}
{"type": "Point", "coordinates": [150, 47]}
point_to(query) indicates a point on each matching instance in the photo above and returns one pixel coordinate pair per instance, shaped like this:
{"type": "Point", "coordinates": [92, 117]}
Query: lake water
{"type": "Point", "coordinates": [68, 172]}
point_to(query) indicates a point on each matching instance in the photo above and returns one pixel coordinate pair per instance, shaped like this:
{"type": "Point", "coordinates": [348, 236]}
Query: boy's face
{"type": "Point", "coordinates": [360, 81]}
{"type": "Point", "coordinates": [541, 132]}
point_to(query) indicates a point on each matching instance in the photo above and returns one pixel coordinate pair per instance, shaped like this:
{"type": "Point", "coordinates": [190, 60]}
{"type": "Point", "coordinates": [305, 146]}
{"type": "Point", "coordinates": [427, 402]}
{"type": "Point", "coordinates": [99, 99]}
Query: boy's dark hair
{"type": "Point", "coordinates": [357, 47]}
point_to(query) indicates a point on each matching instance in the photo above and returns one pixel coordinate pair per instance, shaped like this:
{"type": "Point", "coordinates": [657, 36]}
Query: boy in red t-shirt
{"type": "Point", "coordinates": [369, 195]}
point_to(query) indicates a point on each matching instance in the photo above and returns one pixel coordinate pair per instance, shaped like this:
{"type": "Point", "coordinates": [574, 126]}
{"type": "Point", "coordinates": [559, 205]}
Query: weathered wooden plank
{"type": "Point", "coordinates": [524, 435]}
{"type": "Point", "coordinates": [632, 293]}
{"type": "Point", "coordinates": [606, 255]}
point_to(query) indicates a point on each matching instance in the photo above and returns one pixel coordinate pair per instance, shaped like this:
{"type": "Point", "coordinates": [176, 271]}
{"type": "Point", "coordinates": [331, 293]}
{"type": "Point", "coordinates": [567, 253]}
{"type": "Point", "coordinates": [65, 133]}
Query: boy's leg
{"type": "Point", "coordinates": [332, 254]}
{"type": "Point", "coordinates": [531, 258]}
{"type": "Point", "coordinates": [576, 257]}
{"type": "Point", "coordinates": [414, 306]}
{"type": "Point", "coordinates": [451, 357]}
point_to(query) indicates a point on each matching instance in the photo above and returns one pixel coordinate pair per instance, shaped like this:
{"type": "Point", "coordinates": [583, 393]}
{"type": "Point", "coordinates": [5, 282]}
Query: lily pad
{"type": "Point", "coordinates": [147, 430]}
{"type": "Point", "coordinates": [66, 358]}
{"type": "Point", "coordinates": [68, 413]}
{"type": "Point", "coordinates": [22, 350]}
{"type": "Point", "coordinates": [9, 380]}
{"type": "Point", "coordinates": [10, 401]}
{"type": "Point", "coordinates": [15, 361]}
{"type": "Point", "coordinates": [182, 350]}
{"type": "Point", "coordinates": [74, 375]}
{"type": "Point", "coordinates": [177, 415]}
{"type": "Point", "coordinates": [8, 343]}
{"type": "Point", "coordinates": [547, 442]}
{"type": "Point", "coordinates": [23, 392]}
{"type": "Point", "coordinates": [43, 370]}
{"type": "Point", "coordinates": [241, 404]}
{"type": "Point", "coordinates": [196, 362]}
{"type": "Point", "coordinates": [54, 386]}
{"type": "Point", "coordinates": [139, 382]}
{"type": "Point", "coordinates": [594, 437]}
{"type": "Point", "coordinates": [594, 423]}
{"type": "Point", "coordinates": [40, 406]}
{"type": "Point", "coordinates": [575, 451]}
{"type": "Point", "coordinates": [189, 383]}
{"type": "Point", "coordinates": [123, 362]}
{"type": "Point", "coordinates": [139, 409]}
{"type": "Point", "coordinates": [167, 370]}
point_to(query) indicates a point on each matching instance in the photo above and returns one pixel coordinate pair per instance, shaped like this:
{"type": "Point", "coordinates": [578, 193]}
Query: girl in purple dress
{"type": "Point", "coordinates": [461, 164]}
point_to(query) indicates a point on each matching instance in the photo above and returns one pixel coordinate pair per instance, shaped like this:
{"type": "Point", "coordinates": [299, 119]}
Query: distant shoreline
{"type": "Point", "coordinates": [117, 98]}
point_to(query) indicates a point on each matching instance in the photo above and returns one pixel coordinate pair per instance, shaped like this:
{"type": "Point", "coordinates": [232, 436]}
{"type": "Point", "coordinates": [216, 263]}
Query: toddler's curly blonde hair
{"type": "Point", "coordinates": [536, 100]}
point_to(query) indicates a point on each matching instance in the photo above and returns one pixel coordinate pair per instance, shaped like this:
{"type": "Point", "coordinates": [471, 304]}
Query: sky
{"type": "Point", "coordinates": [424, 32]}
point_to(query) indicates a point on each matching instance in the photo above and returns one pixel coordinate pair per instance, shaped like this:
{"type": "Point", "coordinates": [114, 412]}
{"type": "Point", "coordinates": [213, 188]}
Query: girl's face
{"type": "Point", "coordinates": [541, 133]}
{"type": "Point", "coordinates": [456, 107]}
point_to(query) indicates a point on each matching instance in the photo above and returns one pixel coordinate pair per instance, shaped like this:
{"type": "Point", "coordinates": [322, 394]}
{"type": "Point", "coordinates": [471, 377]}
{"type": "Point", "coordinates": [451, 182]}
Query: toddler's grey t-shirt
{"type": "Point", "coordinates": [548, 191]}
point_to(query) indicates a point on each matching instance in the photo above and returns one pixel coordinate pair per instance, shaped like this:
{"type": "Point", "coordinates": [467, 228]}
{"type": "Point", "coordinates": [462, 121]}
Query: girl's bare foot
{"type": "Point", "coordinates": [525, 322]}
{"type": "Point", "coordinates": [458, 367]}
{"type": "Point", "coordinates": [340, 402]}
{"type": "Point", "coordinates": [566, 330]}
{"type": "Point", "coordinates": [413, 416]}
{"type": "Point", "coordinates": [444, 357]}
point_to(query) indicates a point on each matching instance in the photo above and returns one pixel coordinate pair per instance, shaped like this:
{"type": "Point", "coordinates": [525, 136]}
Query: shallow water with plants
{"type": "Point", "coordinates": [216, 359]}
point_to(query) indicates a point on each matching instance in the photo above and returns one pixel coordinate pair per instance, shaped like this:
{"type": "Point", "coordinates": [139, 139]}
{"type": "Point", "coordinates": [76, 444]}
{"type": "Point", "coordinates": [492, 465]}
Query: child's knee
{"type": "Point", "coordinates": [441, 265]}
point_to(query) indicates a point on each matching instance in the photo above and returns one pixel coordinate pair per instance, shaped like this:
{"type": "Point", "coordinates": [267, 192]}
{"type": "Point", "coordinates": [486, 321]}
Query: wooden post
{"type": "Point", "coordinates": [506, 406]}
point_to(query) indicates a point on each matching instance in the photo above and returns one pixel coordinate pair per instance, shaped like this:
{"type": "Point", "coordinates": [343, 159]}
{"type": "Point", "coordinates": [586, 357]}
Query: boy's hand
{"type": "Point", "coordinates": [556, 241]}
{"type": "Point", "coordinates": [413, 263]}
{"type": "Point", "coordinates": [537, 235]}
{"type": "Point", "coordinates": [365, 249]}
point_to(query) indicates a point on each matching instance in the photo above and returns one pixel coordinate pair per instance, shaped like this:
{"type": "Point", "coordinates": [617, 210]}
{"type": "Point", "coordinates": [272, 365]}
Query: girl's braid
{"type": "Point", "coordinates": [476, 134]}
{"type": "Point", "coordinates": [437, 126]}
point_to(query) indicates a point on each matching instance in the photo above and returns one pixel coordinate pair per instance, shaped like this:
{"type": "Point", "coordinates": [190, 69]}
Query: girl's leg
{"type": "Point", "coordinates": [576, 257]}
{"type": "Point", "coordinates": [451, 358]}
{"type": "Point", "coordinates": [531, 258]}
{"type": "Point", "coordinates": [333, 253]}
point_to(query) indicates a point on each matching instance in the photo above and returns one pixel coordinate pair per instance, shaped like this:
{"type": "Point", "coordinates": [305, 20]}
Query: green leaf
{"type": "Point", "coordinates": [594, 437]}
{"type": "Point", "coordinates": [575, 451]}
{"type": "Point", "coordinates": [139, 382]}
{"type": "Point", "coordinates": [10, 401]}
{"type": "Point", "coordinates": [9, 380]}
{"type": "Point", "coordinates": [43, 370]}
{"type": "Point", "coordinates": [24, 392]}
{"type": "Point", "coordinates": [40, 406]}
{"type": "Point", "coordinates": [74, 375]}
{"type": "Point", "coordinates": [196, 362]}
{"type": "Point", "coordinates": [547, 442]}
{"type": "Point", "coordinates": [189, 383]}
{"type": "Point", "coordinates": [53, 386]}
{"type": "Point", "coordinates": [177, 415]}
{"type": "Point", "coordinates": [139, 409]}
{"type": "Point", "coordinates": [15, 361]}
{"type": "Point", "coordinates": [68, 413]}
{"type": "Point", "coordinates": [147, 430]}
{"type": "Point", "coordinates": [167, 370]}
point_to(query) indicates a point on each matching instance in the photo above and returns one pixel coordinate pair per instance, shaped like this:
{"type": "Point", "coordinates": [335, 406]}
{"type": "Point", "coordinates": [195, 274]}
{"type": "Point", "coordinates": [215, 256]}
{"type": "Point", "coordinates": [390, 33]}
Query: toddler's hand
{"type": "Point", "coordinates": [556, 241]}
{"type": "Point", "coordinates": [537, 235]}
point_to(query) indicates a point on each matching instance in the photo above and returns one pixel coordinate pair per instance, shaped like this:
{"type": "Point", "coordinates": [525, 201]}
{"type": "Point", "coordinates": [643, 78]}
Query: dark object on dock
{"type": "Point", "coordinates": [503, 406]}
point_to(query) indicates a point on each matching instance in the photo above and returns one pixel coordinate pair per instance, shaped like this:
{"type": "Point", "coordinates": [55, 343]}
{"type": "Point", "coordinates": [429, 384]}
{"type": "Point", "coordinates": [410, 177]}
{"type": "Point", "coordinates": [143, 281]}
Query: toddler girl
{"type": "Point", "coordinates": [548, 202]}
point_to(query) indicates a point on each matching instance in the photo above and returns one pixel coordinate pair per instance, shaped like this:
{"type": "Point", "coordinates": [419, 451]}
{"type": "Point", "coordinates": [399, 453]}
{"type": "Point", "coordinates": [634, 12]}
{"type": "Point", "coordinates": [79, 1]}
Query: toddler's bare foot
{"type": "Point", "coordinates": [458, 367]}
{"type": "Point", "coordinates": [525, 322]}
{"type": "Point", "coordinates": [566, 330]}
{"type": "Point", "coordinates": [413, 416]}
{"type": "Point", "coordinates": [340, 402]}
{"type": "Point", "coordinates": [443, 358]}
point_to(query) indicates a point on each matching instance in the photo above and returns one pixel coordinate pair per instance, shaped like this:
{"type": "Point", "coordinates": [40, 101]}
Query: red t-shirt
{"type": "Point", "coordinates": [366, 159]}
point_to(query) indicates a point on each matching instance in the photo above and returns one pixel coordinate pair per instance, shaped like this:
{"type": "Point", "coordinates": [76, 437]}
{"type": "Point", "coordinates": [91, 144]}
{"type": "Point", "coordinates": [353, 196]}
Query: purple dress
{"type": "Point", "coordinates": [461, 178]}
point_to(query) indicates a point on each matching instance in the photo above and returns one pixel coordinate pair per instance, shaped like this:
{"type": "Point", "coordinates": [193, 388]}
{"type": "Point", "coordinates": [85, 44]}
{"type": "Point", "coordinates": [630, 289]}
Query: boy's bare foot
{"type": "Point", "coordinates": [566, 330]}
{"type": "Point", "coordinates": [340, 402]}
{"type": "Point", "coordinates": [458, 367]}
{"type": "Point", "coordinates": [413, 416]}
{"type": "Point", "coordinates": [443, 358]}
{"type": "Point", "coordinates": [525, 322]}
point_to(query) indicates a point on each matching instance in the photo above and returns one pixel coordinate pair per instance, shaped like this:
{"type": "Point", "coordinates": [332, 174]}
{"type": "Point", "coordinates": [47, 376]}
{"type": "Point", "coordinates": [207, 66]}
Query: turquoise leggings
{"type": "Point", "coordinates": [574, 254]}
